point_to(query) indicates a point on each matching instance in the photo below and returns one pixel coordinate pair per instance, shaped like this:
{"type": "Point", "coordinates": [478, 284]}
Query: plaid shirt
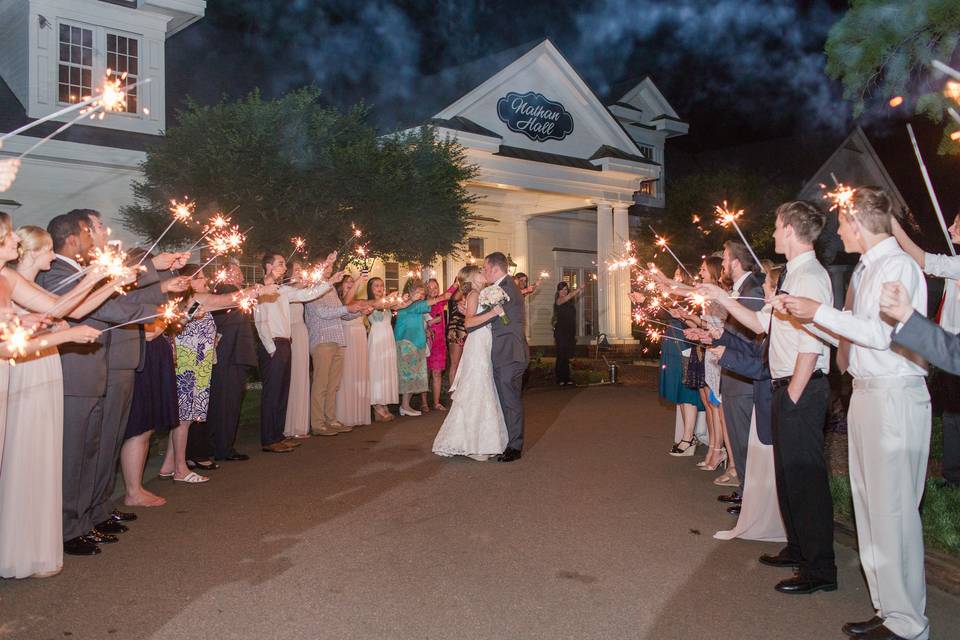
{"type": "Point", "coordinates": [324, 318]}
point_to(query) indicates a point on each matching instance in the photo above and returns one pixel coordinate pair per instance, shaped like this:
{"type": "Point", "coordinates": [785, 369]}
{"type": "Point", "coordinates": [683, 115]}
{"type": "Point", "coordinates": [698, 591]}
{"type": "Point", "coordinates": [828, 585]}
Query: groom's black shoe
{"type": "Point", "coordinates": [509, 455]}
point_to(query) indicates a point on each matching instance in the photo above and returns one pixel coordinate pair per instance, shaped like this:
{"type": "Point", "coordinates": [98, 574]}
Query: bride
{"type": "Point", "coordinates": [474, 427]}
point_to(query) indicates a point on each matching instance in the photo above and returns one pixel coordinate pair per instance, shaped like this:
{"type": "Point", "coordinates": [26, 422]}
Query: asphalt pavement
{"type": "Point", "coordinates": [595, 533]}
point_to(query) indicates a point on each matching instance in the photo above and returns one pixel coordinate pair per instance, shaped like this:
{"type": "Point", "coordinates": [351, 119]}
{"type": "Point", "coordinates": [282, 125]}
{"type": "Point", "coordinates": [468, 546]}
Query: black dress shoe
{"type": "Point", "coordinates": [778, 560]}
{"type": "Point", "coordinates": [510, 455]}
{"type": "Point", "coordinates": [236, 457]}
{"type": "Point", "coordinates": [112, 526]}
{"type": "Point", "coordinates": [99, 537]}
{"type": "Point", "coordinates": [880, 633]}
{"type": "Point", "coordinates": [123, 516]}
{"type": "Point", "coordinates": [799, 585]}
{"type": "Point", "coordinates": [80, 546]}
{"type": "Point", "coordinates": [854, 629]}
{"type": "Point", "coordinates": [734, 498]}
{"type": "Point", "coordinates": [734, 510]}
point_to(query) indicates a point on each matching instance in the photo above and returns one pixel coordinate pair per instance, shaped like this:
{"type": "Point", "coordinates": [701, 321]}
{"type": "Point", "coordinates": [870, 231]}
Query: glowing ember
{"type": "Point", "coordinates": [840, 197]}
{"type": "Point", "coordinates": [219, 221]}
{"type": "Point", "coordinates": [112, 96]}
{"type": "Point", "coordinates": [182, 211]}
{"type": "Point", "coordinates": [896, 101]}
{"type": "Point", "coordinates": [298, 243]}
{"type": "Point", "coordinates": [246, 303]}
{"type": "Point", "coordinates": [221, 276]}
{"type": "Point", "coordinates": [170, 312]}
{"type": "Point", "coordinates": [955, 135]}
{"type": "Point", "coordinates": [112, 261]}
{"type": "Point", "coordinates": [725, 215]}
{"type": "Point", "coordinates": [544, 275]}
{"type": "Point", "coordinates": [15, 338]}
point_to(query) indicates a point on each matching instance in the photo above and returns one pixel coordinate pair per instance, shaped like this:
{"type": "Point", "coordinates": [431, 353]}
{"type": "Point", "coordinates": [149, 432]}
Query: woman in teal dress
{"type": "Point", "coordinates": [411, 340]}
{"type": "Point", "coordinates": [672, 388]}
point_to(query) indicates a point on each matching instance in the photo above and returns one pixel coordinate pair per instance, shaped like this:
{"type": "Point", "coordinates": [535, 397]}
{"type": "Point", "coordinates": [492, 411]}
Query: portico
{"type": "Point", "coordinates": [557, 174]}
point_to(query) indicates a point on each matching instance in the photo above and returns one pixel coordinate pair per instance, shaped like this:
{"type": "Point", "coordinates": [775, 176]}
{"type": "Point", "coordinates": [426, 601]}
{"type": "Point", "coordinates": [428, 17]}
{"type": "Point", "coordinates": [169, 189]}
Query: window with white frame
{"type": "Point", "coordinates": [75, 73]}
{"type": "Point", "coordinates": [87, 53]}
{"type": "Point", "coordinates": [646, 151]}
{"type": "Point", "coordinates": [123, 62]}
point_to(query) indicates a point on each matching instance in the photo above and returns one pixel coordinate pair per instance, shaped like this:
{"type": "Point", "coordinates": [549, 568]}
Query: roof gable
{"type": "Point", "coordinates": [544, 90]}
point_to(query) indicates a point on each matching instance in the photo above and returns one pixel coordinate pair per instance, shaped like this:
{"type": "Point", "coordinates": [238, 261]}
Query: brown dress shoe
{"type": "Point", "coordinates": [278, 447]}
{"type": "Point", "coordinates": [293, 443]}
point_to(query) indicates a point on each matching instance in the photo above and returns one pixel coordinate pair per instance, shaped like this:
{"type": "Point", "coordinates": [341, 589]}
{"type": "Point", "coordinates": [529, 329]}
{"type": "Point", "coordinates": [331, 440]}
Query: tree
{"type": "Point", "coordinates": [291, 167]}
{"type": "Point", "coordinates": [883, 48]}
{"type": "Point", "coordinates": [689, 223]}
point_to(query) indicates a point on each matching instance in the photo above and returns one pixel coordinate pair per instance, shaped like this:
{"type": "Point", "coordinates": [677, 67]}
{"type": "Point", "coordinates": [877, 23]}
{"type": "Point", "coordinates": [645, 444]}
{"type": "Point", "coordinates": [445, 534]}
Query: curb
{"type": "Point", "coordinates": [942, 570]}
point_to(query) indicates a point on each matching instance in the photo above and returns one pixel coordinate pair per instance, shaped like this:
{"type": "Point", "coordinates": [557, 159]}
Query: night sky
{"type": "Point", "coordinates": [736, 70]}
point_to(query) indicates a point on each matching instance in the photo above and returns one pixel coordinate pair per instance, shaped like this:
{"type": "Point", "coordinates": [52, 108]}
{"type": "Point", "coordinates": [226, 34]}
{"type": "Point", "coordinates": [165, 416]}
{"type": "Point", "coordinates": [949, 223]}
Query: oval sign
{"type": "Point", "coordinates": [533, 115]}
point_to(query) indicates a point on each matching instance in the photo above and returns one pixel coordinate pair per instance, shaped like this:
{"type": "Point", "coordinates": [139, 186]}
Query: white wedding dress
{"type": "Point", "coordinates": [474, 426]}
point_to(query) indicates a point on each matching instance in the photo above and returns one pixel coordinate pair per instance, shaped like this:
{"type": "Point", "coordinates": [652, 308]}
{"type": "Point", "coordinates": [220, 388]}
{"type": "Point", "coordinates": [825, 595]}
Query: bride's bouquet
{"type": "Point", "coordinates": [492, 296]}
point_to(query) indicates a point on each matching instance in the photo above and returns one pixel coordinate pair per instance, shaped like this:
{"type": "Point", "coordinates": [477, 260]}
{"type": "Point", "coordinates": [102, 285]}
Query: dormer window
{"type": "Point", "coordinates": [122, 57]}
{"type": "Point", "coordinates": [76, 63]}
{"type": "Point", "coordinates": [86, 53]}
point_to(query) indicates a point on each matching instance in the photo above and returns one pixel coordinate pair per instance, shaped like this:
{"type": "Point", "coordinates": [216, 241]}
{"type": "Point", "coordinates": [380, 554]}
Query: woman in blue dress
{"type": "Point", "coordinates": [672, 388]}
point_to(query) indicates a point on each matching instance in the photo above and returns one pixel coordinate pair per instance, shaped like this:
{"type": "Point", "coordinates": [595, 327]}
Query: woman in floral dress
{"type": "Point", "coordinates": [195, 352]}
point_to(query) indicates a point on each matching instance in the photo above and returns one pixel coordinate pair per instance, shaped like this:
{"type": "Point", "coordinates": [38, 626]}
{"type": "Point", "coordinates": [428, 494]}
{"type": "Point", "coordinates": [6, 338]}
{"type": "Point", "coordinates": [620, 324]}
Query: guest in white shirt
{"type": "Point", "coordinates": [888, 420]}
{"type": "Point", "coordinates": [799, 360]}
{"type": "Point", "coordinates": [272, 318]}
{"type": "Point", "coordinates": [948, 385]}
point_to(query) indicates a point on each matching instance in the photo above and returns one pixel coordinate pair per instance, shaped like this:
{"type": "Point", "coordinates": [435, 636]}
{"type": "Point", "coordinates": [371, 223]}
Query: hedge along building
{"type": "Point", "coordinates": [558, 171]}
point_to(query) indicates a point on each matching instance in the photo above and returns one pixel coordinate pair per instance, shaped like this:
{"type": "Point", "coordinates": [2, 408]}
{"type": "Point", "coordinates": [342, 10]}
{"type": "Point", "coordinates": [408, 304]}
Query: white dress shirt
{"type": "Point", "coordinates": [789, 337]}
{"type": "Point", "coordinates": [739, 283]}
{"type": "Point", "coordinates": [272, 313]}
{"type": "Point", "coordinates": [947, 267]}
{"type": "Point", "coordinates": [871, 353]}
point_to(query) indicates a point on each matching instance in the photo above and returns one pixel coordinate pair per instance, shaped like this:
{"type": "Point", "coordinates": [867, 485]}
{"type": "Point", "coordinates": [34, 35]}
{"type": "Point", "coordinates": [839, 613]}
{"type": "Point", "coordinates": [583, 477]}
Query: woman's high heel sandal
{"type": "Point", "coordinates": [722, 462]}
{"type": "Point", "coordinates": [688, 450]}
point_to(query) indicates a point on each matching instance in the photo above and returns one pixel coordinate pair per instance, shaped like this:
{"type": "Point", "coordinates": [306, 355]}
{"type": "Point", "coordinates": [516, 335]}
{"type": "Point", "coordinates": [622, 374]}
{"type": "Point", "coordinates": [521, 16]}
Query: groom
{"type": "Point", "coordinates": [508, 353]}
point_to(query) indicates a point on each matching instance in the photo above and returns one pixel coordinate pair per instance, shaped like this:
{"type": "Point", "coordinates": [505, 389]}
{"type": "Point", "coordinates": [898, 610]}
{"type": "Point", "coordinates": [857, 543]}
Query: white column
{"type": "Point", "coordinates": [451, 271]}
{"type": "Point", "coordinates": [605, 289]}
{"type": "Point", "coordinates": [521, 245]}
{"type": "Point", "coordinates": [621, 235]}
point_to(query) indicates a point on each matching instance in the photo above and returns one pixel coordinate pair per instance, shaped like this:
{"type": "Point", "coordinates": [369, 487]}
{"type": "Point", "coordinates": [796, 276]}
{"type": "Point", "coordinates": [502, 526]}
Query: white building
{"type": "Point", "coordinates": [558, 171]}
{"type": "Point", "coordinates": [51, 52]}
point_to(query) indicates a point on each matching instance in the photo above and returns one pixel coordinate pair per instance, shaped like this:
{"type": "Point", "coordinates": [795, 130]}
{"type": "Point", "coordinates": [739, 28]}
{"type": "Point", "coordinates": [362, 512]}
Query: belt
{"type": "Point", "coordinates": [892, 382]}
{"type": "Point", "coordinates": [776, 383]}
{"type": "Point", "coordinates": [281, 340]}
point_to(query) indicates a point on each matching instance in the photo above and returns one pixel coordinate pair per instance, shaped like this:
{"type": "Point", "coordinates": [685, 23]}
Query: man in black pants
{"type": "Point", "coordinates": [799, 361]}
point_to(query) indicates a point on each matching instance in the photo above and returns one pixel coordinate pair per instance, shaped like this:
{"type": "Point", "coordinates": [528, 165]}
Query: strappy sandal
{"type": "Point", "coordinates": [689, 450]}
{"type": "Point", "coordinates": [192, 478]}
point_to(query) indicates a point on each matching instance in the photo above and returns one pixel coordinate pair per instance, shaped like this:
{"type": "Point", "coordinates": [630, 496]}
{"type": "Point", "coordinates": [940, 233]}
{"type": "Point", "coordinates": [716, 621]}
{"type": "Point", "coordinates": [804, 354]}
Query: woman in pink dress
{"type": "Point", "coordinates": [437, 338]}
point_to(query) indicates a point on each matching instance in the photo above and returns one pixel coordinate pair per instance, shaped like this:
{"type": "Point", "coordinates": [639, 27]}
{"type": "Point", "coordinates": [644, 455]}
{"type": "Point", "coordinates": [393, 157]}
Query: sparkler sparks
{"type": "Point", "coordinates": [726, 216]}
{"type": "Point", "coordinates": [15, 338]}
{"type": "Point", "coordinates": [182, 212]}
{"type": "Point", "coordinates": [840, 198]}
{"type": "Point", "coordinates": [246, 303]}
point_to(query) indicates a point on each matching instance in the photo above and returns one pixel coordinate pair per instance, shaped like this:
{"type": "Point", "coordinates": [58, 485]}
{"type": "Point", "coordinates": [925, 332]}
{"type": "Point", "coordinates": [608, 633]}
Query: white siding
{"type": "Point", "coordinates": [14, 47]}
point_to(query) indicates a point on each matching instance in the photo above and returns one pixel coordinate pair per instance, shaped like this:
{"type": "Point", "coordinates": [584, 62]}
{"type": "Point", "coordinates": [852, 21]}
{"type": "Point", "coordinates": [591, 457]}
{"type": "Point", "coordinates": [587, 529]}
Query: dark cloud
{"type": "Point", "coordinates": [731, 66]}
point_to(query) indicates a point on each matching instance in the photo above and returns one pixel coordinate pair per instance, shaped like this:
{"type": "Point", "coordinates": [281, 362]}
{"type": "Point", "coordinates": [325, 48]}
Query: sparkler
{"type": "Point", "coordinates": [841, 197]}
{"type": "Point", "coordinates": [930, 191]}
{"type": "Point", "coordinates": [354, 236]}
{"type": "Point", "coordinates": [298, 244]}
{"type": "Point", "coordinates": [15, 338]}
{"type": "Point", "coordinates": [246, 303]}
{"type": "Point", "coordinates": [726, 216]}
{"type": "Point", "coordinates": [662, 243]}
{"type": "Point", "coordinates": [544, 275]}
{"type": "Point", "coordinates": [182, 211]}
{"type": "Point", "coordinates": [222, 244]}
{"type": "Point", "coordinates": [169, 313]}
{"type": "Point", "coordinates": [947, 69]}
{"type": "Point", "coordinates": [219, 222]}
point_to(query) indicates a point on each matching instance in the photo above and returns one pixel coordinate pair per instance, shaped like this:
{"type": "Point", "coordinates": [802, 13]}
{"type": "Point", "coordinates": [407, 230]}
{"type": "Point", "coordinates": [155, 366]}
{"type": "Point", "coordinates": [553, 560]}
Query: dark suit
{"type": "Point", "coordinates": [737, 390]}
{"type": "Point", "coordinates": [236, 354]}
{"type": "Point", "coordinates": [509, 355]}
{"type": "Point", "coordinates": [745, 357]}
{"type": "Point", "coordinates": [124, 358]}
{"type": "Point", "coordinates": [84, 388]}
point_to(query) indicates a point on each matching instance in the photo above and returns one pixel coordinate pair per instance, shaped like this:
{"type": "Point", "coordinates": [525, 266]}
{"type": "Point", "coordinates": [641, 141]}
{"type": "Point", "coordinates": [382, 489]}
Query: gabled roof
{"type": "Point", "coordinates": [13, 115]}
{"type": "Point", "coordinates": [459, 123]}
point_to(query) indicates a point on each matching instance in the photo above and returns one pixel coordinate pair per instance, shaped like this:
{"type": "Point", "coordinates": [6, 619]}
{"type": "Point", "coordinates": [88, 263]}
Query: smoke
{"type": "Point", "coordinates": [730, 63]}
{"type": "Point", "coordinates": [760, 60]}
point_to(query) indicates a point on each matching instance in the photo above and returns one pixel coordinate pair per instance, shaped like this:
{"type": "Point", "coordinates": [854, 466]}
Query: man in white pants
{"type": "Point", "coordinates": [888, 421]}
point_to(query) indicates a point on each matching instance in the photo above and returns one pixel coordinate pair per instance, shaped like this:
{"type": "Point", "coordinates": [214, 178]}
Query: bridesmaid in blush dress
{"type": "Point", "coordinates": [353, 396]}
{"type": "Point", "coordinates": [31, 530]}
{"type": "Point", "coordinates": [297, 424]}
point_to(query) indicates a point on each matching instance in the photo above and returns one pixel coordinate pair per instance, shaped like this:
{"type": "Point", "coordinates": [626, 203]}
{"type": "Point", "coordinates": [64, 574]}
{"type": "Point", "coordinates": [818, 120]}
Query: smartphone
{"type": "Point", "coordinates": [192, 310]}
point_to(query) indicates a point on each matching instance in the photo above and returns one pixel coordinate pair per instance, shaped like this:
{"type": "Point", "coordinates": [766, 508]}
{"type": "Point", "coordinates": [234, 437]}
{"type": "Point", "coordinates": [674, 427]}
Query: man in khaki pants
{"type": "Point", "coordinates": [324, 319]}
{"type": "Point", "coordinates": [888, 421]}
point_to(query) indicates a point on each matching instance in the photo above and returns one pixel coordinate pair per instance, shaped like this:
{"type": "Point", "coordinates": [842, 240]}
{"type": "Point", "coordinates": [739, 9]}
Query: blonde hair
{"type": "Point", "coordinates": [466, 276]}
{"type": "Point", "coordinates": [33, 238]}
{"type": "Point", "coordinates": [6, 225]}
{"type": "Point", "coordinates": [412, 285]}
